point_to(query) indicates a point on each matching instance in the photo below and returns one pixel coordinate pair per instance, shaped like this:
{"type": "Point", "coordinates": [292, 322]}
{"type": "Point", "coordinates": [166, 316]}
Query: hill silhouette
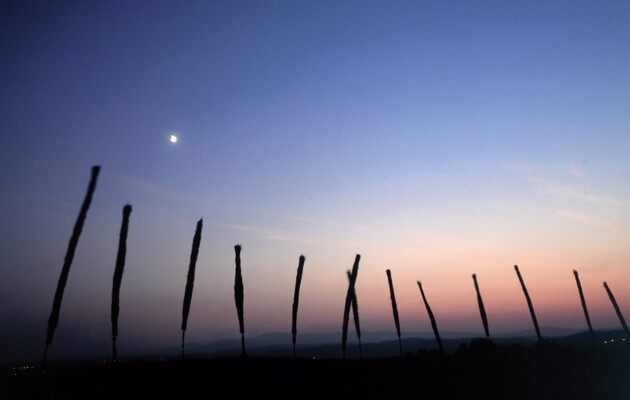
{"type": "Point", "coordinates": [480, 369]}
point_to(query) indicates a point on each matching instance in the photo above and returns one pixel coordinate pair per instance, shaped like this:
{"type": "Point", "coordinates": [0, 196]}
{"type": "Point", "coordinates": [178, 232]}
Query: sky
{"type": "Point", "coordinates": [436, 139]}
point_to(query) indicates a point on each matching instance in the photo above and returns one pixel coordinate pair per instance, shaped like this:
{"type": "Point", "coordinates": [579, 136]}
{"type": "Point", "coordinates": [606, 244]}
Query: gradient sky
{"type": "Point", "coordinates": [437, 139]}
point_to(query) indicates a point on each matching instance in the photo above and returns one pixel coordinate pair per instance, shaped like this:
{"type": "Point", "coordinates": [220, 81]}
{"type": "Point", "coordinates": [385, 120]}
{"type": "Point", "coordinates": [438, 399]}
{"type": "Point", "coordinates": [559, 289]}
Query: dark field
{"type": "Point", "coordinates": [480, 370]}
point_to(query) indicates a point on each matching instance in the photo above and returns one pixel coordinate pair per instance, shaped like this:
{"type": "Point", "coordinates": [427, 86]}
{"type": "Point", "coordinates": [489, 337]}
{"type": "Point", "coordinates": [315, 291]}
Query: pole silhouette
{"type": "Point", "coordinates": [239, 296]}
{"type": "Point", "coordinates": [529, 303]}
{"type": "Point", "coordinates": [392, 296]}
{"type": "Point", "coordinates": [583, 300]}
{"type": "Point", "coordinates": [355, 316]}
{"type": "Point", "coordinates": [482, 309]}
{"type": "Point", "coordinates": [617, 310]}
{"type": "Point", "coordinates": [53, 320]}
{"type": "Point", "coordinates": [296, 299]}
{"type": "Point", "coordinates": [117, 280]}
{"type": "Point", "coordinates": [432, 318]}
{"type": "Point", "coordinates": [190, 280]}
{"type": "Point", "coordinates": [346, 310]}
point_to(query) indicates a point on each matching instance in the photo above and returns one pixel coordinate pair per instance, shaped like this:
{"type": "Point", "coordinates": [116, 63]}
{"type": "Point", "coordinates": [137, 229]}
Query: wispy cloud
{"type": "Point", "coordinates": [592, 221]}
{"type": "Point", "coordinates": [570, 191]}
{"type": "Point", "coordinates": [270, 234]}
{"type": "Point", "coordinates": [576, 171]}
{"type": "Point", "coordinates": [573, 215]}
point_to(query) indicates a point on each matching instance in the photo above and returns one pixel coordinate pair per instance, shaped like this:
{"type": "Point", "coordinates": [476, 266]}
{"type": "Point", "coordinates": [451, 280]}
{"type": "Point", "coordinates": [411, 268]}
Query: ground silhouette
{"type": "Point", "coordinates": [480, 369]}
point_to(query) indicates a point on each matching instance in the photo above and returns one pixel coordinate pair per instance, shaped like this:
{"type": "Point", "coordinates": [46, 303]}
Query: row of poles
{"type": "Point", "coordinates": [484, 317]}
{"type": "Point", "coordinates": [351, 303]}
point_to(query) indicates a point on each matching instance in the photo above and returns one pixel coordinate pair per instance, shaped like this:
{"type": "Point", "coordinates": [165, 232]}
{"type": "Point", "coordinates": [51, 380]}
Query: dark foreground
{"type": "Point", "coordinates": [481, 370]}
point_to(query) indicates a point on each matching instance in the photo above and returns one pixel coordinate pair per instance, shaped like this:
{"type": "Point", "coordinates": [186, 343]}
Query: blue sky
{"type": "Point", "coordinates": [437, 139]}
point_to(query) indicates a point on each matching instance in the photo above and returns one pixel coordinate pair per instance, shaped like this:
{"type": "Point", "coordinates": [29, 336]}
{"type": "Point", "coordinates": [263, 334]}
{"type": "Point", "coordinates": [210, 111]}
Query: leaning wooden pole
{"type": "Point", "coordinates": [296, 300]}
{"type": "Point", "coordinates": [432, 318]}
{"type": "Point", "coordinates": [583, 300]}
{"type": "Point", "coordinates": [190, 280]}
{"type": "Point", "coordinates": [392, 296]}
{"type": "Point", "coordinates": [117, 280]}
{"type": "Point", "coordinates": [53, 320]}
{"type": "Point", "coordinates": [617, 310]}
{"type": "Point", "coordinates": [355, 316]}
{"type": "Point", "coordinates": [482, 309]}
{"type": "Point", "coordinates": [529, 303]}
{"type": "Point", "coordinates": [346, 310]}
{"type": "Point", "coordinates": [239, 295]}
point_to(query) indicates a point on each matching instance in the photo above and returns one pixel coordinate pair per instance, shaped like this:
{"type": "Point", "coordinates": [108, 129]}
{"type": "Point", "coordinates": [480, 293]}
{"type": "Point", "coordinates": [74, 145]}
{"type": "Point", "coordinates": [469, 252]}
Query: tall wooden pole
{"type": "Point", "coordinates": [482, 309]}
{"type": "Point", "coordinates": [432, 318]}
{"type": "Point", "coordinates": [583, 300]}
{"type": "Point", "coordinates": [348, 304]}
{"type": "Point", "coordinates": [392, 296]}
{"type": "Point", "coordinates": [529, 303]}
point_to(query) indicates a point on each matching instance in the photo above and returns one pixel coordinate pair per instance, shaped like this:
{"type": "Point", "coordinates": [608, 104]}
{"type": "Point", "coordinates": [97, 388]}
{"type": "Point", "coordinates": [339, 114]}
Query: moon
{"type": "Point", "coordinates": [173, 138]}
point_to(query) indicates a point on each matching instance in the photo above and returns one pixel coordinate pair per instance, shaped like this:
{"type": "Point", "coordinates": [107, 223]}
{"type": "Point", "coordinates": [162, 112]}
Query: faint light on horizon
{"type": "Point", "coordinates": [173, 138]}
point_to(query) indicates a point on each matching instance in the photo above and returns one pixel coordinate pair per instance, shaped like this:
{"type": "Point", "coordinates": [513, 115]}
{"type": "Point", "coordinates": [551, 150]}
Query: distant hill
{"type": "Point", "coordinates": [545, 331]}
{"type": "Point", "coordinates": [604, 339]}
{"type": "Point", "coordinates": [328, 345]}
{"type": "Point", "coordinates": [380, 343]}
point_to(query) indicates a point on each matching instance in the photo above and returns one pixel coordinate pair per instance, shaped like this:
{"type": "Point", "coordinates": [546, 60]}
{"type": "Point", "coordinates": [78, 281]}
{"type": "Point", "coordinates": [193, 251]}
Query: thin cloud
{"type": "Point", "coordinates": [270, 234]}
{"type": "Point", "coordinates": [573, 215]}
{"type": "Point", "coordinates": [595, 222]}
{"type": "Point", "coordinates": [570, 191]}
{"type": "Point", "coordinates": [576, 171]}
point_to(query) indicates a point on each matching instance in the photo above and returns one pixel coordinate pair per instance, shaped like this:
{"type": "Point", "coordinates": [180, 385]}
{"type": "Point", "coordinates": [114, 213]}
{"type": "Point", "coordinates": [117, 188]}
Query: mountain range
{"type": "Point", "coordinates": [382, 343]}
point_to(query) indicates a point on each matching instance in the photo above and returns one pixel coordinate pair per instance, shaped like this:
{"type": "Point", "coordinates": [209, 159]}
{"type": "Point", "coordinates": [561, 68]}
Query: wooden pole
{"type": "Point", "coordinates": [482, 309]}
{"type": "Point", "coordinates": [392, 296]}
{"type": "Point", "coordinates": [583, 300]}
{"type": "Point", "coordinates": [432, 318]}
{"type": "Point", "coordinates": [296, 299]}
{"type": "Point", "coordinates": [529, 303]}
{"type": "Point", "coordinates": [346, 310]}
{"type": "Point", "coordinates": [53, 320]}
{"type": "Point", "coordinates": [617, 310]}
